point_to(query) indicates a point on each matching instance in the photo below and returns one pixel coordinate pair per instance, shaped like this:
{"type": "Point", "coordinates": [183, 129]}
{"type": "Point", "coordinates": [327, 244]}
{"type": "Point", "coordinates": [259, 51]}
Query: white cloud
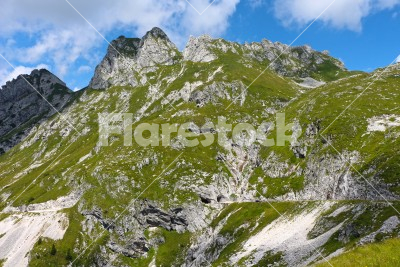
{"type": "Point", "coordinates": [6, 76]}
{"type": "Point", "coordinates": [398, 59]}
{"type": "Point", "coordinates": [255, 3]}
{"type": "Point", "coordinates": [342, 14]}
{"type": "Point", "coordinates": [214, 20]}
{"type": "Point", "coordinates": [61, 36]}
{"type": "Point", "coordinates": [384, 4]}
{"type": "Point", "coordinates": [85, 68]}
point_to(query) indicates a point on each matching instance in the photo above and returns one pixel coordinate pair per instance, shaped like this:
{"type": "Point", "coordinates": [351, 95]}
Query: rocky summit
{"type": "Point", "coordinates": [68, 200]}
{"type": "Point", "coordinates": [128, 57]}
{"type": "Point", "coordinates": [27, 100]}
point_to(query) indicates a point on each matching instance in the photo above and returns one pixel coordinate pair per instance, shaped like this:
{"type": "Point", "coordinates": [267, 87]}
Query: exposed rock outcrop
{"type": "Point", "coordinates": [21, 106]}
{"type": "Point", "coordinates": [299, 61]}
{"type": "Point", "coordinates": [128, 232]}
{"type": "Point", "coordinates": [199, 49]}
{"type": "Point", "coordinates": [128, 58]}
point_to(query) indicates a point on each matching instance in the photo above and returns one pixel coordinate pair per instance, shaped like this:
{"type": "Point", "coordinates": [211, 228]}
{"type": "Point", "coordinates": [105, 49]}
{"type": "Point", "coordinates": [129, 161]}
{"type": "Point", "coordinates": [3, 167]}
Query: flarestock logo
{"type": "Point", "coordinates": [189, 134]}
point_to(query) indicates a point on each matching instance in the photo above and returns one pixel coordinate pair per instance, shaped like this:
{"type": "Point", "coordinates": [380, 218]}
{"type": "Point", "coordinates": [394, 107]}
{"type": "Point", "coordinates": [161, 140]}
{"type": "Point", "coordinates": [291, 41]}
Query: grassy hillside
{"type": "Point", "coordinates": [55, 160]}
{"type": "Point", "coordinates": [383, 254]}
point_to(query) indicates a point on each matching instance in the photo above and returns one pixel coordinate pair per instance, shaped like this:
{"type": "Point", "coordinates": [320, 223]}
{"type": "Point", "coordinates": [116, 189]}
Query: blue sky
{"type": "Point", "coordinates": [50, 34]}
{"type": "Point", "coordinates": [375, 44]}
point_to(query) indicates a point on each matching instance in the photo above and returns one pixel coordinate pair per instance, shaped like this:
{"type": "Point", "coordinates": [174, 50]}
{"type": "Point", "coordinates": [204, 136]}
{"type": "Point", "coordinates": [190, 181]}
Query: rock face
{"type": "Point", "coordinates": [128, 58]}
{"type": "Point", "coordinates": [198, 49]}
{"type": "Point", "coordinates": [21, 106]}
{"type": "Point", "coordinates": [300, 61]}
{"type": "Point", "coordinates": [144, 216]}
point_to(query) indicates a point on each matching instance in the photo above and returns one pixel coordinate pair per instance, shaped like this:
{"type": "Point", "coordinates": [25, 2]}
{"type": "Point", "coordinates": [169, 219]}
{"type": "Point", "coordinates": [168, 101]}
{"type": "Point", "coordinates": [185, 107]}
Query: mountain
{"type": "Point", "coordinates": [126, 58]}
{"type": "Point", "coordinates": [22, 106]}
{"type": "Point", "coordinates": [232, 202]}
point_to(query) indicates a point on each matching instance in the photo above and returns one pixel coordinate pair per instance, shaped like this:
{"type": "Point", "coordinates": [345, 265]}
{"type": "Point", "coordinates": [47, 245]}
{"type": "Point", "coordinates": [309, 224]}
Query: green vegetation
{"type": "Point", "coordinates": [384, 254]}
{"type": "Point", "coordinates": [271, 258]}
{"type": "Point", "coordinates": [69, 257]}
{"type": "Point", "coordinates": [53, 250]}
{"type": "Point", "coordinates": [114, 176]}
{"type": "Point", "coordinates": [329, 71]}
{"type": "Point", "coordinates": [4, 216]}
{"type": "Point", "coordinates": [369, 220]}
{"type": "Point", "coordinates": [64, 249]}
{"type": "Point", "coordinates": [172, 252]}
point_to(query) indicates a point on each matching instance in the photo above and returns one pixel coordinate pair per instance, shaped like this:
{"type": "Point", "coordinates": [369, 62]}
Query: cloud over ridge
{"type": "Point", "coordinates": [61, 36]}
{"type": "Point", "coordinates": [342, 14]}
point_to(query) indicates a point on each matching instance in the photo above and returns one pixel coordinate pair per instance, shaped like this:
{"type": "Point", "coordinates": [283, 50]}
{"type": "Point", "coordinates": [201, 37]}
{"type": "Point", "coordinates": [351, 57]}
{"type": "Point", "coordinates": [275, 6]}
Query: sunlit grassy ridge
{"type": "Point", "coordinates": [382, 254]}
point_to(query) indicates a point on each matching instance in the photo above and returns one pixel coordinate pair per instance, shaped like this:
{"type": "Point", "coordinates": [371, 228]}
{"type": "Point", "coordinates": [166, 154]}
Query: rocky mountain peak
{"type": "Point", "coordinates": [300, 61]}
{"type": "Point", "coordinates": [127, 57]}
{"type": "Point", "coordinates": [123, 45]}
{"type": "Point", "coordinates": [297, 62]}
{"type": "Point", "coordinates": [20, 103]}
{"type": "Point", "coordinates": [199, 49]}
{"type": "Point", "coordinates": [43, 80]}
{"type": "Point", "coordinates": [155, 33]}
